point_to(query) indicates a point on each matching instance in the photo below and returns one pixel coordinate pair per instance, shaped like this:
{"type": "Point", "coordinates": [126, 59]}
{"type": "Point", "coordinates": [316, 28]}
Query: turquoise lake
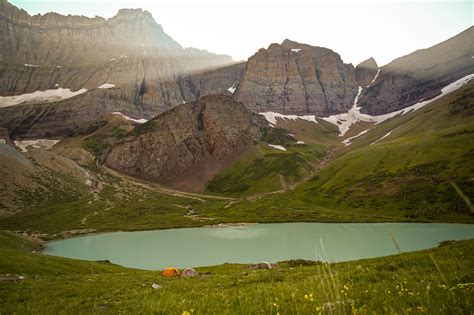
{"type": "Point", "coordinates": [194, 247]}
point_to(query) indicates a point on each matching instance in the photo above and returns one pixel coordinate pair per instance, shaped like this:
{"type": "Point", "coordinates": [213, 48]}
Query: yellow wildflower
{"type": "Point", "coordinates": [422, 309]}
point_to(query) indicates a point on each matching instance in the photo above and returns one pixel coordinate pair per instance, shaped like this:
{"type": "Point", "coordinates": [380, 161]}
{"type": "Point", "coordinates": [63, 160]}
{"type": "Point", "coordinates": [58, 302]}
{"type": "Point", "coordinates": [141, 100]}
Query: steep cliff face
{"type": "Point", "coordinates": [211, 129]}
{"type": "Point", "coordinates": [420, 75]}
{"type": "Point", "coordinates": [61, 118]}
{"type": "Point", "coordinates": [129, 50]}
{"type": "Point", "coordinates": [294, 78]}
{"type": "Point", "coordinates": [215, 81]}
{"type": "Point", "coordinates": [366, 71]}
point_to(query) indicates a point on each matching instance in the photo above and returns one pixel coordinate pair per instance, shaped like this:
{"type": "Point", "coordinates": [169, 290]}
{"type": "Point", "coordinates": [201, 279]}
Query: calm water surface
{"type": "Point", "coordinates": [257, 242]}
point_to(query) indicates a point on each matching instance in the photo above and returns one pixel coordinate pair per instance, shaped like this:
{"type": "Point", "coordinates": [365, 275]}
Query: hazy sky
{"type": "Point", "coordinates": [356, 30]}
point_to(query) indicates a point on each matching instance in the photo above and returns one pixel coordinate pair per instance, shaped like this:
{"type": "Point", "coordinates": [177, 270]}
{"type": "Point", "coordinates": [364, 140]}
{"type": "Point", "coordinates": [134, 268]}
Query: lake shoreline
{"type": "Point", "coordinates": [45, 238]}
{"type": "Point", "coordinates": [238, 243]}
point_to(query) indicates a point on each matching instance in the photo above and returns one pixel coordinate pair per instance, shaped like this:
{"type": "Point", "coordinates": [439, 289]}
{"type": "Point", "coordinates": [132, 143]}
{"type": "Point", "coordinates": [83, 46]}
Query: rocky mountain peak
{"type": "Point", "coordinates": [368, 63]}
{"type": "Point", "coordinates": [188, 136]}
{"type": "Point", "coordinates": [289, 43]}
{"type": "Point", "coordinates": [134, 17]}
{"type": "Point", "coordinates": [366, 71]}
{"type": "Point", "coordinates": [130, 52]}
{"type": "Point", "coordinates": [132, 14]}
{"type": "Point", "coordinates": [295, 78]}
{"type": "Point", "coordinates": [420, 75]}
{"type": "Point", "coordinates": [8, 9]}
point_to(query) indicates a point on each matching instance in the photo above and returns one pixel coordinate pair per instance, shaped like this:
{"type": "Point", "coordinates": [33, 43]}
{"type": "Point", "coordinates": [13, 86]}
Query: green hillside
{"type": "Point", "coordinates": [422, 170]}
{"type": "Point", "coordinates": [413, 171]}
{"type": "Point", "coordinates": [266, 169]}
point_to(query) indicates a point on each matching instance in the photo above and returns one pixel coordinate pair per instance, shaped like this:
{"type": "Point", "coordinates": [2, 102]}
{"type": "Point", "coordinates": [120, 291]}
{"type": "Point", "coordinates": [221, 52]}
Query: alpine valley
{"type": "Point", "coordinates": [111, 125]}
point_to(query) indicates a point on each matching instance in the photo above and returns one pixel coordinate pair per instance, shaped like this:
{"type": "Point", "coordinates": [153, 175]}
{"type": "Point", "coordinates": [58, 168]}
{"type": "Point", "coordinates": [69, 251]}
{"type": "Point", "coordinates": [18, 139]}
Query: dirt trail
{"type": "Point", "coordinates": [158, 188]}
{"type": "Point", "coordinates": [326, 159]}
{"type": "Point", "coordinates": [285, 186]}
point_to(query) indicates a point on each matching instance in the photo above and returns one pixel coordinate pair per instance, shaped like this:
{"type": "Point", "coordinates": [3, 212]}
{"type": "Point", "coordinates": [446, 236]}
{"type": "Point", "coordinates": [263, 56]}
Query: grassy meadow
{"type": "Point", "coordinates": [437, 281]}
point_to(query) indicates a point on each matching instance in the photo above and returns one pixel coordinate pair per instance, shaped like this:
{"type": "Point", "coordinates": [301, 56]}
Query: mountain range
{"type": "Point", "coordinates": [150, 70]}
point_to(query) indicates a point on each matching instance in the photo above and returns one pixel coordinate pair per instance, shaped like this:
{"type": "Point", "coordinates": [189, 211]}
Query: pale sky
{"type": "Point", "coordinates": [356, 30]}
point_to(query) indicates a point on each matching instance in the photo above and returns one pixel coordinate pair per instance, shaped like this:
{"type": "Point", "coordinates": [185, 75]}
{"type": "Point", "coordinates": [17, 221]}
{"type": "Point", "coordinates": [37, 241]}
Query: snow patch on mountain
{"type": "Point", "coordinates": [232, 89]}
{"type": "Point", "coordinates": [346, 120]}
{"type": "Point", "coordinates": [348, 141]}
{"type": "Point", "coordinates": [272, 116]}
{"type": "Point", "coordinates": [39, 96]}
{"type": "Point", "coordinates": [44, 144]}
{"type": "Point", "coordinates": [107, 86]}
{"type": "Point", "coordinates": [385, 136]}
{"type": "Point", "coordinates": [277, 146]}
{"type": "Point", "coordinates": [375, 78]}
{"type": "Point", "coordinates": [139, 121]}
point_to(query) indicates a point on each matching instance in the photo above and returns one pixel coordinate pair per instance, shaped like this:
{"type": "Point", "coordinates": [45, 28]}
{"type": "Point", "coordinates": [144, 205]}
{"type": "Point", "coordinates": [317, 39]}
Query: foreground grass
{"type": "Point", "coordinates": [438, 281]}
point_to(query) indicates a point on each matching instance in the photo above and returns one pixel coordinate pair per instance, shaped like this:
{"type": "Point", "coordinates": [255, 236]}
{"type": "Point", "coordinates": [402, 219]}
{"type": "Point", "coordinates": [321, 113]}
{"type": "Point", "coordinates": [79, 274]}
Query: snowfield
{"type": "Point", "coordinates": [44, 144]}
{"type": "Point", "coordinates": [272, 116]}
{"type": "Point", "coordinates": [385, 136]}
{"type": "Point", "coordinates": [139, 121]}
{"type": "Point", "coordinates": [375, 78]}
{"type": "Point", "coordinates": [346, 120]}
{"type": "Point", "coordinates": [348, 141]}
{"type": "Point", "coordinates": [232, 89]}
{"type": "Point", "coordinates": [107, 86]}
{"type": "Point", "coordinates": [277, 146]}
{"type": "Point", "coordinates": [39, 96]}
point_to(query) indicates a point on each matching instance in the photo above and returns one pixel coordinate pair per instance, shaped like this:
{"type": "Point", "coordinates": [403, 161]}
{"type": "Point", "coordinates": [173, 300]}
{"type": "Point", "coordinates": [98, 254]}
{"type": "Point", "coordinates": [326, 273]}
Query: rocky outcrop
{"type": "Point", "coordinates": [4, 136]}
{"type": "Point", "coordinates": [188, 136]}
{"type": "Point", "coordinates": [294, 78]}
{"type": "Point", "coordinates": [129, 50]}
{"type": "Point", "coordinates": [366, 71]}
{"type": "Point", "coordinates": [420, 75]}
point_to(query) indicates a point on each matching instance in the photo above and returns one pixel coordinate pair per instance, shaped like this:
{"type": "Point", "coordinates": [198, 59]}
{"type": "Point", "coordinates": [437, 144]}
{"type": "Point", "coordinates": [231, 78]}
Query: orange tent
{"type": "Point", "coordinates": [171, 272]}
